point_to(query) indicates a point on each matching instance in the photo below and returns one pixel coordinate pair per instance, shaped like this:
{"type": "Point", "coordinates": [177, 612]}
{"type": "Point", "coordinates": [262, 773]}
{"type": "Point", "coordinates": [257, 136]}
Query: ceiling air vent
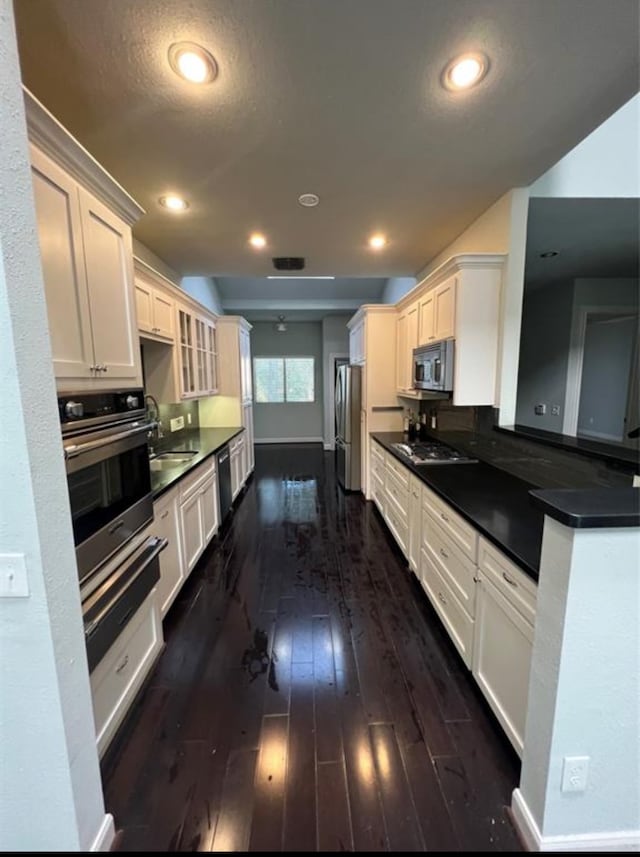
{"type": "Point", "coordinates": [288, 263]}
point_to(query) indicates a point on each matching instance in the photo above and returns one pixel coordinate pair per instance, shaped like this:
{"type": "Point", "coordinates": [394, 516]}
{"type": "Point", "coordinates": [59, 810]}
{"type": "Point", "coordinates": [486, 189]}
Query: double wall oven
{"type": "Point", "coordinates": [105, 441]}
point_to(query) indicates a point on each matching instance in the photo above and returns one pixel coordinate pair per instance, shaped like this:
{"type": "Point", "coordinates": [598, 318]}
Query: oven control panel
{"type": "Point", "coordinates": [90, 409]}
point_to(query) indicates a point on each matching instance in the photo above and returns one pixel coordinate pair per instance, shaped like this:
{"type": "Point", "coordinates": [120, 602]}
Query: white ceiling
{"type": "Point", "coordinates": [339, 97]}
{"type": "Point", "coordinates": [593, 238]}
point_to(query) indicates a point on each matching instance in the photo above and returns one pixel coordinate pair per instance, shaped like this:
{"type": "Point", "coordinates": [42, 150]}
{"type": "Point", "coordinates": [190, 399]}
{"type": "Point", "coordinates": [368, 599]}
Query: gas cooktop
{"type": "Point", "coordinates": [432, 452]}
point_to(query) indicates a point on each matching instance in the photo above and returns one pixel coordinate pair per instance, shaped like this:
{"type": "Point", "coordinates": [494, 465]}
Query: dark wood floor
{"type": "Point", "coordinates": [308, 698]}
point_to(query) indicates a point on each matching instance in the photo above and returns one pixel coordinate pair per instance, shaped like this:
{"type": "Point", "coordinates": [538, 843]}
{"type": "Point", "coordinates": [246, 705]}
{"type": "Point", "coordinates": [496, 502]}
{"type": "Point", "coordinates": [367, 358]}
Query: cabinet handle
{"type": "Point", "coordinates": [442, 598]}
{"type": "Point", "coordinates": [509, 580]}
{"type": "Point", "coordinates": [444, 517]}
{"type": "Point", "coordinates": [444, 553]}
{"type": "Point", "coordinates": [476, 579]}
{"type": "Point", "coordinates": [416, 495]}
{"type": "Point", "coordinates": [123, 664]}
{"type": "Point", "coordinates": [164, 515]}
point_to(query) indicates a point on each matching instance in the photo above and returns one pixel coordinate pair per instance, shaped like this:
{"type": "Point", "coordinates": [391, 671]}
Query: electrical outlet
{"type": "Point", "coordinates": [177, 423]}
{"type": "Point", "coordinates": [540, 410]}
{"type": "Point", "coordinates": [555, 410]}
{"type": "Point", "coordinates": [575, 770]}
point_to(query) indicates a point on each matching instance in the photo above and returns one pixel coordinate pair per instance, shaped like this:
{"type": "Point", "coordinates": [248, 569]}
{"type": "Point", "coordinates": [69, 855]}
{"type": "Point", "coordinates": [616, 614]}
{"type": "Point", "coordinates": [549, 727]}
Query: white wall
{"type": "Point", "coordinates": [205, 290]}
{"type": "Point", "coordinates": [584, 691]}
{"type": "Point", "coordinates": [606, 367]}
{"type": "Point", "coordinates": [335, 340]}
{"type": "Point", "coordinates": [50, 789]}
{"type": "Point", "coordinates": [604, 164]}
{"type": "Point", "coordinates": [298, 420]}
{"type": "Point", "coordinates": [153, 260]}
{"type": "Point", "coordinates": [396, 288]}
{"type": "Point", "coordinates": [544, 354]}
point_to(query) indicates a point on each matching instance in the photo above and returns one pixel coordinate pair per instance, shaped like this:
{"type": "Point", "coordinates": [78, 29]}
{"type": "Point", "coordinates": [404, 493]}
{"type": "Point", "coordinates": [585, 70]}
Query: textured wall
{"type": "Point", "coordinates": [50, 789]}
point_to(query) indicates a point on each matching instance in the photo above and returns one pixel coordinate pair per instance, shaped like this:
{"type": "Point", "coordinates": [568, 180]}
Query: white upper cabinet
{"type": "Point", "coordinates": [357, 350]}
{"type": "Point", "coordinates": [109, 265]}
{"type": "Point", "coordinates": [460, 301]}
{"type": "Point", "coordinates": [246, 380]}
{"type": "Point", "coordinates": [65, 281]}
{"type": "Point", "coordinates": [437, 313]}
{"type": "Point", "coordinates": [155, 308]}
{"type": "Point", "coordinates": [84, 225]}
{"type": "Point", "coordinates": [198, 354]}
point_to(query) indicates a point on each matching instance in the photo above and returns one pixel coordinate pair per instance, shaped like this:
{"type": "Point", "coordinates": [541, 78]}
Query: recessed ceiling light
{"type": "Point", "coordinates": [174, 202]}
{"type": "Point", "coordinates": [377, 242]}
{"type": "Point", "coordinates": [309, 200]}
{"type": "Point", "coordinates": [257, 240]}
{"type": "Point", "coordinates": [192, 62]}
{"type": "Point", "coordinates": [466, 71]}
{"type": "Point", "coordinates": [549, 254]}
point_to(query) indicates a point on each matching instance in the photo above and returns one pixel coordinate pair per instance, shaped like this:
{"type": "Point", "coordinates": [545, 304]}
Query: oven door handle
{"type": "Point", "coordinates": [158, 548]}
{"type": "Point", "coordinates": [74, 450]}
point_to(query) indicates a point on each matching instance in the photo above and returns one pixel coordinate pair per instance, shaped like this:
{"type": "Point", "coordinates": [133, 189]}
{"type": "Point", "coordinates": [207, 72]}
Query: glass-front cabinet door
{"type": "Point", "coordinates": [187, 375]}
{"type": "Point", "coordinates": [212, 358]}
{"type": "Point", "coordinates": [201, 355]}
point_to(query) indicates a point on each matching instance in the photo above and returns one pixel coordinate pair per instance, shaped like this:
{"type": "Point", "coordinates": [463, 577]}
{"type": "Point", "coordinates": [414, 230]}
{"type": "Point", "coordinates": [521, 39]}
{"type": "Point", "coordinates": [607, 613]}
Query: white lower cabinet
{"type": "Point", "coordinates": [486, 603]}
{"type": "Point", "coordinates": [119, 675]}
{"type": "Point", "coordinates": [415, 523]}
{"type": "Point", "coordinates": [454, 617]}
{"type": "Point", "coordinates": [192, 524]}
{"type": "Point", "coordinates": [198, 511]}
{"type": "Point", "coordinates": [166, 513]}
{"type": "Point", "coordinates": [505, 616]}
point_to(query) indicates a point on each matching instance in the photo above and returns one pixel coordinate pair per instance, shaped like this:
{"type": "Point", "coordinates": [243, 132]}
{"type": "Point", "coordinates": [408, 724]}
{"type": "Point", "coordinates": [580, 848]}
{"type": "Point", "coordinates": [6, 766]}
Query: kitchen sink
{"type": "Point", "coordinates": [167, 460]}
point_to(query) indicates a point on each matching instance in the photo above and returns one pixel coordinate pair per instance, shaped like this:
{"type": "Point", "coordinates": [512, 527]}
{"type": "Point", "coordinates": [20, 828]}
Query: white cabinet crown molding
{"type": "Point", "coordinates": [369, 308]}
{"type": "Point", "coordinates": [153, 275]}
{"type": "Point", "coordinates": [461, 262]}
{"type": "Point", "coordinates": [53, 138]}
{"type": "Point", "coordinates": [235, 319]}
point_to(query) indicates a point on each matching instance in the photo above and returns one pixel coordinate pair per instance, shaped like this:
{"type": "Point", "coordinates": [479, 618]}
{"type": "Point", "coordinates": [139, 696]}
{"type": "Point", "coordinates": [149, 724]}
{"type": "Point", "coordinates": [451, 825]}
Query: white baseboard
{"type": "Point", "coordinates": [105, 836]}
{"type": "Point", "coordinates": [288, 440]}
{"type": "Point", "coordinates": [616, 840]}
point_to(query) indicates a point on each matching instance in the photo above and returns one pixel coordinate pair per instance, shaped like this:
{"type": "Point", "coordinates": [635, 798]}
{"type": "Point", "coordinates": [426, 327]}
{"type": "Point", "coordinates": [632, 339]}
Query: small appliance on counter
{"type": "Point", "coordinates": [433, 366]}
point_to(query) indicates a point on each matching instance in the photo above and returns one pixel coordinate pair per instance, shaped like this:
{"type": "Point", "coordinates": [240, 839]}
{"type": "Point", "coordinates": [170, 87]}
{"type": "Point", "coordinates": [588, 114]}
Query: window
{"type": "Point", "coordinates": [284, 379]}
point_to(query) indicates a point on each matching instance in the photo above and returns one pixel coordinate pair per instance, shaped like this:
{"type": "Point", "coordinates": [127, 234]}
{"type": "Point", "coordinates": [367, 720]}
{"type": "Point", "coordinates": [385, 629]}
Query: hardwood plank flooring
{"type": "Point", "coordinates": [308, 697]}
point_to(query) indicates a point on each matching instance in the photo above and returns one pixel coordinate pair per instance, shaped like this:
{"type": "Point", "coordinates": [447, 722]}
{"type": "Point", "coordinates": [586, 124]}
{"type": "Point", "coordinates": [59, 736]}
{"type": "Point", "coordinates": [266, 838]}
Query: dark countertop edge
{"type": "Point", "coordinates": [191, 465]}
{"type": "Point", "coordinates": [590, 508]}
{"type": "Point", "coordinates": [627, 459]}
{"type": "Point", "coordinates": [527, 568]}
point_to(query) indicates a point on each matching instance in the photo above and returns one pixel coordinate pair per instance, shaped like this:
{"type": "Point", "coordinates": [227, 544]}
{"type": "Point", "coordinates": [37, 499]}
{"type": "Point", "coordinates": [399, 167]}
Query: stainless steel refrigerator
{"type": "Point", "coordinates": [348, 441]}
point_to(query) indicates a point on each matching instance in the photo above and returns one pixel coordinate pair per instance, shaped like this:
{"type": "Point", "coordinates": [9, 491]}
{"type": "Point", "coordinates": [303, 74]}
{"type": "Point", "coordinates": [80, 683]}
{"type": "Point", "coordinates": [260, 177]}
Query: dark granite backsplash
{"type": "Point", "coordinates": [472, 431]}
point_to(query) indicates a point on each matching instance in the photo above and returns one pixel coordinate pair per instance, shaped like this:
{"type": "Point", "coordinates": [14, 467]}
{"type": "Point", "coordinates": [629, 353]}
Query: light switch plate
{"type": "Point", "coordinates": [177, 423]}
{"type": "Point", "coordinates": [575, 770]}
{"type": "Point", "coordinates": [13, 576]}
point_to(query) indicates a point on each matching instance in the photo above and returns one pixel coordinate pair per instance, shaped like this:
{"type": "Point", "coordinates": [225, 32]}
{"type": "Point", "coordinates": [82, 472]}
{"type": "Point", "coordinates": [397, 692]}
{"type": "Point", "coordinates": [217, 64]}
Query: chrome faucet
{"type": "Point", "coordinates": [156, 432]}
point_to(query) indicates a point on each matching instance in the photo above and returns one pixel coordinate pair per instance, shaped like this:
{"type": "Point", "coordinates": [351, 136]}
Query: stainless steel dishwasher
{"type": "Point", "coordinates": [223, 460]}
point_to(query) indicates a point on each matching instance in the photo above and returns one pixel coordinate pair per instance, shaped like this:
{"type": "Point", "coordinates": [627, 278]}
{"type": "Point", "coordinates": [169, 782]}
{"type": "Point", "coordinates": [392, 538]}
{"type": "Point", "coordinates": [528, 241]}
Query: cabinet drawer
{"type": "Point", "coordinates": [458, 623]}
{"type": "Point", "coordinates": [398, 526]}
{"type": "Point", "coordinates": [378, 493]}
{"type": "Point", "coordinates": [117, 678]}
{"type": "Point", "coordinates": [512, 582]}
{"type": "Point", "coordinates": [398, 496]}
{"type": "Point", "coordinates": [194, 481]}
{"type": "Point", "coordinates": [463, 534]}
{"type": "Point", "coordinates": [377, 468]}
{"type": "Point", "coordinates": [377, 452]}
{"type": "Point", "coordinates": [457, 569]}
{"type": "Point", "coordinates": [401, 473]}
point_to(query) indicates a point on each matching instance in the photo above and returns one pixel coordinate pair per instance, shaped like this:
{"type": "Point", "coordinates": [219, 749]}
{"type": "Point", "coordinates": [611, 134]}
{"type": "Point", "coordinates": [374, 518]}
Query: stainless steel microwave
{"type": "Point", "coordinates": [433, 366]}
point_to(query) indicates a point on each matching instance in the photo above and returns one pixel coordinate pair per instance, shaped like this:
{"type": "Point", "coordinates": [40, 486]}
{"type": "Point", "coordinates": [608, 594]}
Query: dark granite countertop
{"type": "Point", "coordinates": [589, 509]}
{"type": "Point", "coordinates": [492, 500]}
{"type": "Point", "coordinates": [623, 455]}
{"type": "Point", "coordinates": [206, 440]}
